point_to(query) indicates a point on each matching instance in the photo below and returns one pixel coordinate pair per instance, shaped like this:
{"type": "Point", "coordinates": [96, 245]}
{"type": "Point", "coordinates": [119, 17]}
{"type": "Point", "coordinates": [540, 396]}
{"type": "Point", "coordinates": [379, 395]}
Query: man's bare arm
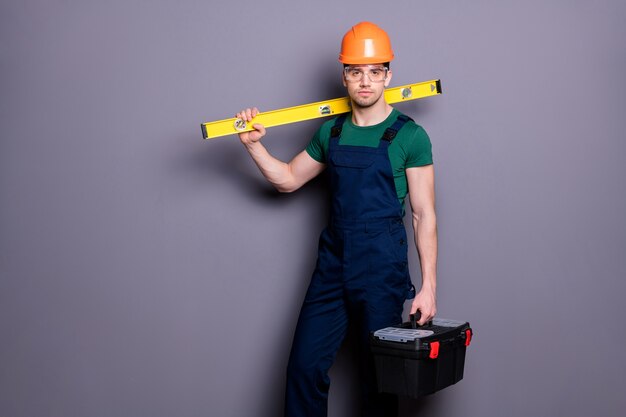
{"type": "Point", "coordinates": [421, 181]}
{"type": "Point", "coordinates": [285, 177]}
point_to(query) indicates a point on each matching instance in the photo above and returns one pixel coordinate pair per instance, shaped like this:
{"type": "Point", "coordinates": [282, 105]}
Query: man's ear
{"type": "Point", "coordinates": [388, 80]}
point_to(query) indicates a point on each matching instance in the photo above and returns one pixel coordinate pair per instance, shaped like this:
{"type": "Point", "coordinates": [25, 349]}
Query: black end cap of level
{"type": "Point", "coordinates": [438, 84]}
{"type": "Point", "coordinates": [204, 135]}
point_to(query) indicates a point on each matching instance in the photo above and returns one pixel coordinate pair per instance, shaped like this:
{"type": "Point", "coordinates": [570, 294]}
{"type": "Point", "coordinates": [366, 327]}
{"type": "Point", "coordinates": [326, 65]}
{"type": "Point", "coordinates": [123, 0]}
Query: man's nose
{"type": "Point", "coordinates": [365, 80]}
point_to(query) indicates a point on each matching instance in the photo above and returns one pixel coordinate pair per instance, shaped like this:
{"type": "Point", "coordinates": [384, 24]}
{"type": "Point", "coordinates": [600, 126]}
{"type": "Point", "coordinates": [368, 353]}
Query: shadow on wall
{"type": "Point", "coordinates": [418, 407]}
{"type": "Point", "coordinates": [233, 169]}
{"type": "Point", "coordinates": [227, 165]}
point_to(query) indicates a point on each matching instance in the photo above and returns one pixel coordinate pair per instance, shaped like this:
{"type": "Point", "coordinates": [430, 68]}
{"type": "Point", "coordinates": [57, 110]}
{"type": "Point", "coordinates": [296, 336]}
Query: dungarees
{"type": "Point", "coordinates": [361, 276]}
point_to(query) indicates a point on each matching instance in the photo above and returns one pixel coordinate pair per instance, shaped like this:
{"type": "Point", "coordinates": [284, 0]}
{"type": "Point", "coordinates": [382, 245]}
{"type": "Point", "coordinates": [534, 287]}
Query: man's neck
{"type": "Point", "coordinates": [370, 116]}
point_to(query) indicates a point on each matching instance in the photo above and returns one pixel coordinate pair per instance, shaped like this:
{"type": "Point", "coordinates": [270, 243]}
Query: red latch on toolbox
{"type": "Point", "coordinates": [434, 350]}
{"type": "Point", "coordinates": [468, 337]}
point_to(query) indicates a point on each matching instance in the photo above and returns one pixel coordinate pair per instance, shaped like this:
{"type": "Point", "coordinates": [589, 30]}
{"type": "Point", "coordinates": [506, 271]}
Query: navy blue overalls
{"type": "Point", "coordinates": [361, 276]}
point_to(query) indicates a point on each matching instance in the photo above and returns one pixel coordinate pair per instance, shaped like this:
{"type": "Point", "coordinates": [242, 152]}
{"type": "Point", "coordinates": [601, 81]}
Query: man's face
{"type": "Point", "coordinates": [362, 90]}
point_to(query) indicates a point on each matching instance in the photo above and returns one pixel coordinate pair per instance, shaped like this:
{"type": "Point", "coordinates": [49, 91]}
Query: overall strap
{"type": "Point", "coordinates": [392, 131]}
{"type": "Point", "coordinates": [335, 131]}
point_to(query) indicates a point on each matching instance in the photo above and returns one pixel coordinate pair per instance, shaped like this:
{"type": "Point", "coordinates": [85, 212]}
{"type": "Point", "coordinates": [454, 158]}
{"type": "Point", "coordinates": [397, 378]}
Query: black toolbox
{"type": "Point", "coordinates": [415, 361]}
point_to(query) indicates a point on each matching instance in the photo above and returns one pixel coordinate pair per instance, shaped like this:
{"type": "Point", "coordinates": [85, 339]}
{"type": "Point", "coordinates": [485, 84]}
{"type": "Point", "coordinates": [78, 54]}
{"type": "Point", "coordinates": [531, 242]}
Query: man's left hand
{"type": "Point", "coordinates": [426, 302]}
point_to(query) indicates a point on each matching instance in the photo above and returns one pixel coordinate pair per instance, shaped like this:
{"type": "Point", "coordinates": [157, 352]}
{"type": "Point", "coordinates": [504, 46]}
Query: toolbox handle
{"type": "Point", "coordinates": [414, 318]}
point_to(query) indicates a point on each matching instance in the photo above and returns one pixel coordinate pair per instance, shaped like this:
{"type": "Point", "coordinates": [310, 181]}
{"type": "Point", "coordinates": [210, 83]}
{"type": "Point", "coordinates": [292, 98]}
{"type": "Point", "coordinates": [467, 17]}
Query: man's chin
{"type": "Point", "coordinates": [364, 103]}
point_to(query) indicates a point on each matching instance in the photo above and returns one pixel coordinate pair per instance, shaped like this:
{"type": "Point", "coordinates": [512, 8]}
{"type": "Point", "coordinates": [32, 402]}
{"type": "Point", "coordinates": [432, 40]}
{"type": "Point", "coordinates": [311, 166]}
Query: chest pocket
{"type": "Point", "coordinates": [353, 159]}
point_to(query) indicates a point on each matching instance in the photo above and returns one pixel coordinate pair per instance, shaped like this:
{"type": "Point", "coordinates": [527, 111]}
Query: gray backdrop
{"type": "Point", "coordinates": [146, 272]}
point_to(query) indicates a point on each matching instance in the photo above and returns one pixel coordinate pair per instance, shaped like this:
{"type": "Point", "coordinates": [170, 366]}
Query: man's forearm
{"type": "Point", "coordinates": [274, 170]}
{"type": "Point", "coordinates": [425, 229]}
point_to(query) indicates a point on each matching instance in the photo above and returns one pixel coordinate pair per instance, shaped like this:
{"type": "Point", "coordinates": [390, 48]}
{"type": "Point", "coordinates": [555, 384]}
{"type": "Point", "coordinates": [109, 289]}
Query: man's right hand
{"type": "Point", "coordinates": [285, 177]}
{"type": "Point", "coordinates": [248, 138]}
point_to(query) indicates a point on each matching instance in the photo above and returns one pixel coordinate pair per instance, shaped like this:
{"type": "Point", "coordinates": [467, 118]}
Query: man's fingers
{"type": "Point", "coordinates": [426, 318]}
{"type": "Point", "coordinates": [260, 128]}
{"type": "Point", "coordinates": [247, 114]}
{"type": "Point", "coordinates": [426, 315]}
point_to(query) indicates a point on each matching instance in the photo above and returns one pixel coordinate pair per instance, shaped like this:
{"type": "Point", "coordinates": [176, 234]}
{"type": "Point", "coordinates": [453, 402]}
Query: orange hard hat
{"type": "Point", "coordinates": [365, 43]}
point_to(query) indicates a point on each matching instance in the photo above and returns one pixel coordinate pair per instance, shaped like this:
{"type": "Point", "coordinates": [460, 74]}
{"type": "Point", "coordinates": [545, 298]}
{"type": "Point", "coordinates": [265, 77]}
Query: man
{"type": "Point", "coordinates": [375, 156]}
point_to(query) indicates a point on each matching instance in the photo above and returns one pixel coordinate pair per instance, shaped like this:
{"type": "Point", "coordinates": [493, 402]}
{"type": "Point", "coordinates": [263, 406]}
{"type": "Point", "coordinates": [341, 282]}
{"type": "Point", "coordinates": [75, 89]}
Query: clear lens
{"type": "Point", "coordinates": [375, 74]}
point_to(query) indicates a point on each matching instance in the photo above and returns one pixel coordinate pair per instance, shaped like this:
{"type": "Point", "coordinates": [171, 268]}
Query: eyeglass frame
{"type": "Point", "coordinates": [363, 73]}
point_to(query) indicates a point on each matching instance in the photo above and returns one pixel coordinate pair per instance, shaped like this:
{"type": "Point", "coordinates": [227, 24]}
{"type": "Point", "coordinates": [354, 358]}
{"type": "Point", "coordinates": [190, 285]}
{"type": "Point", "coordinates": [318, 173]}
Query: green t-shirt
{"type": "Point", "coordinates": [410, 148]}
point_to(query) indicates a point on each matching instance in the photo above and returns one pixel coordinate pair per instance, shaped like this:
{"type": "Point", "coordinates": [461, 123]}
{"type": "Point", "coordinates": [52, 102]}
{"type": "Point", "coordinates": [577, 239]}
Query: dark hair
{"type": "Point", "coordinates": [385, 64]}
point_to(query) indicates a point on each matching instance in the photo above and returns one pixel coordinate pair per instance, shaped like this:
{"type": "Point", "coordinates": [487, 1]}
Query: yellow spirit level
{"type": "Point", "coordinates": [279, 117]}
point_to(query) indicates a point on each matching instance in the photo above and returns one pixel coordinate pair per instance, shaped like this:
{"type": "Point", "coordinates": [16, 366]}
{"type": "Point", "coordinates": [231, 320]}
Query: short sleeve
{"type": "Point", "coordinates": [418, 149]}
{"type": "Point", "coordinates": [318, 146]}
{"type": "Point", "coordinates": [314, 148]}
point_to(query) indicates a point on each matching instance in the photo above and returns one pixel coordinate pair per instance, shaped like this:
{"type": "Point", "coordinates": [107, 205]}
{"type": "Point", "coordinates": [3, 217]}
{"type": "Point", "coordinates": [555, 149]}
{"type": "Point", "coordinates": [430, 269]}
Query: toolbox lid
{"type": "Point", "coordinates": [438, 329]}
{"type": "Point", "coordinates": [396, 334]}
{"type": "Point", "coordinates": [447, 323]}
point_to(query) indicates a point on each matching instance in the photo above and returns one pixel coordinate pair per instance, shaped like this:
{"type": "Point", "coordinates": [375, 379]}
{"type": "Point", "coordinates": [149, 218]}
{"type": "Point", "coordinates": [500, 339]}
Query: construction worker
{"type": "Point", "coordinates": [375, 156]}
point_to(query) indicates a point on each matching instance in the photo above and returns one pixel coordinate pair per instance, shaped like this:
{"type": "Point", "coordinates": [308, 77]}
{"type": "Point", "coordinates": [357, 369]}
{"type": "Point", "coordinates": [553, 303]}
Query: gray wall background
{"type": "Point", "coordinates": [146, 272]}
